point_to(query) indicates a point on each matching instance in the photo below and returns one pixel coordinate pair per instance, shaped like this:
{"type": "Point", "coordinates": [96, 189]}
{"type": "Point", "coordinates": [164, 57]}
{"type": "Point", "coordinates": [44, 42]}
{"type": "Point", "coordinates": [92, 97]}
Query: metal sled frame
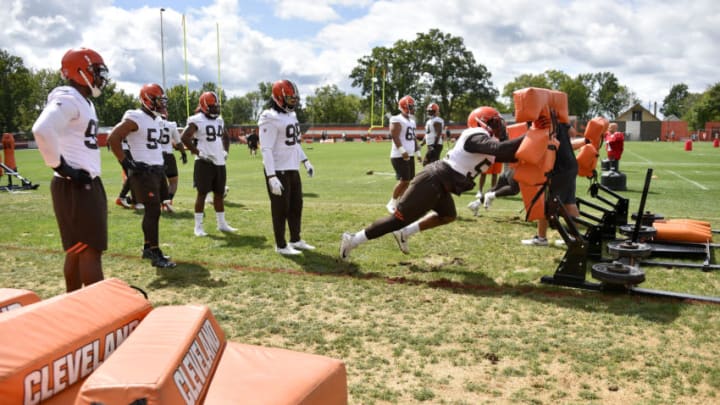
{"type": "Point", "coordinates": [573, 268]}
{"type": "Point", "coordinates": [25, 184]}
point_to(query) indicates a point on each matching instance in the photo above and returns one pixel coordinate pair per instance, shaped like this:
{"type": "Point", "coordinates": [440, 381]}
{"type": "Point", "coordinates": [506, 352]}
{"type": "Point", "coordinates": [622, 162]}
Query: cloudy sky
{"type": "Point", "coordinates": [648, 44]}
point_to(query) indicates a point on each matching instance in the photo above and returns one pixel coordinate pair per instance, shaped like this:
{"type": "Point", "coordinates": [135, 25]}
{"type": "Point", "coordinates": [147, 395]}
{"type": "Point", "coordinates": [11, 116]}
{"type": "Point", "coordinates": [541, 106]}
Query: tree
{"type": "Point", "coordinates": [112, 104]}
{"type": "Point", "coordinates": [16, 83]}
{"type": "Point", "coordinates": [608, 97]}
{"type": "Point", "coordinates": [330, 105]}
{"type": "Point", "coordinates": [676, 102]}
{"type": "Point", "coordinates": [706, 109]}
{"type": "Point", "coordinates": [435, 67]}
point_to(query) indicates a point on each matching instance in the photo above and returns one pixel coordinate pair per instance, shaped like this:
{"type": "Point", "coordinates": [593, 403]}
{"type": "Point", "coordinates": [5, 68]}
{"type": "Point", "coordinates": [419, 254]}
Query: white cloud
{"type": "Point", "coordinates": [648, 45]}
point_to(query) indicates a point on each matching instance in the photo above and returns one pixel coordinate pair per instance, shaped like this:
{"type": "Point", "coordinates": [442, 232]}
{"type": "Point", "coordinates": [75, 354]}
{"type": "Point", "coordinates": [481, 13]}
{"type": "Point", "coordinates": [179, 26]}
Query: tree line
{"type": "Point", "coordinates": [434, 67]}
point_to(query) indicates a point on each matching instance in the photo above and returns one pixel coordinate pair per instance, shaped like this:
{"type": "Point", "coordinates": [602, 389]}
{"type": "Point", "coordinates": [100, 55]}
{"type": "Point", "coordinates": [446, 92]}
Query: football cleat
{"type": "Point", "coordinates": [402, 241]}
{"type": "Point", "coordinates": [167, 206]}
{"type": "Point", "coordinates": [139, 206]}
{"type": "Point", "coordinates": [489, 197]}
{"type": "Point", "coordinates": [302, 245]}
{"type": "Point", "coordinates": [345, 246]}
{"type": "Point", "coordinates": [148, 254]}
{"type": "Point", "coordinates": [226, 228]}
{"type": "Point", "coordinates": [123, 202]}
{"type": "Point", "coordinates": [287, 251]}
{"type": "Point", "coordinates": [474, 206]}
{"type": "Point", "coordinates": [199, 231]}
{"type": "Point", "coordinates": [158, 259]}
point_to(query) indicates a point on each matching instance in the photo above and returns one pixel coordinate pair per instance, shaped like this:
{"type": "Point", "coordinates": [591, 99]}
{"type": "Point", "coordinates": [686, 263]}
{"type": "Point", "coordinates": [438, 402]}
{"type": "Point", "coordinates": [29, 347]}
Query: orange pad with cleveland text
{"type": "Point", "coordinates": [169, 359]}
{"type": "Point", "coordinates": [250, 374]}
{"type": "Point", "coordinates": [48, 348]}
{"type": "Point", "coordinates": [14, 298]}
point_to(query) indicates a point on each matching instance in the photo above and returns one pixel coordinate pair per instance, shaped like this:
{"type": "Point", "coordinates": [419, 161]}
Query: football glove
{"type": "Point", "coordinates": [309, 167]}
{"type": "Point", "coordinates": [183, 157]}
{"type": "Point", "coordinates": [275, 185]}
{"type": "Point", "coordinates": [78, 175]}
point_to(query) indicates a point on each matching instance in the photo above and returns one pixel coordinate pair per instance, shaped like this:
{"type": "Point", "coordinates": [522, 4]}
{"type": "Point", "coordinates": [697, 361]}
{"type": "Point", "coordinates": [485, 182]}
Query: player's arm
{"type": "Point", "coordinates": [503, 151]}
{"type": "Point", "coordinates": [118, 134]}
{"type": "Point", "coordinates": [187, 138]}
{"type": "Point", "coordinates": [48, 127]}
{"type": "Point", "coordinates": [268, 136]}
{"type": "Point", "coordinates": [395, 129]}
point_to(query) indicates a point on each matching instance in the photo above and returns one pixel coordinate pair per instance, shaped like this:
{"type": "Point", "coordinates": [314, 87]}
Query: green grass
{"type": "Point", "coordinates": [462, 319]}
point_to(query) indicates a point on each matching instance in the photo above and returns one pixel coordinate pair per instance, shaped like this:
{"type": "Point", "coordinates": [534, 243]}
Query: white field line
{"type": "Point", "coordinates": [696, 184]}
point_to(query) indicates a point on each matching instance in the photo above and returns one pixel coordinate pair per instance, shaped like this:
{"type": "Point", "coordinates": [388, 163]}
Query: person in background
{"type": "Point", "coordinates": [252, 142]}
{"type": "Point", "coordinates": [66, 135]}
{"type": "Point", "coordinates": [169, 140]}
{"type": "Point", "coordinates": [428, 201]}
{"type": "Point", "coordinates": [506, 186]}
{"type": "Point", "coordinates": [404, 146]}
{"type": "Point", "coordinates": [433, 134]}
{"type": "Point", "coordinates": [142, 129]}
{"type": "Point", "coordinates": [282, 155]}
{"type": "Point", "coordinates": [614, 142]}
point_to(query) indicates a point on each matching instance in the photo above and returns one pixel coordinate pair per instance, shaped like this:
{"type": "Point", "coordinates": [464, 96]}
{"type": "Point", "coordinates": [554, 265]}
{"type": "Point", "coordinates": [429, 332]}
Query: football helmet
{"type": "Point", "coordinates": [407, 105]}
{"type": "Point", "coordinates": [433, 109]}
{"type": "Point", "coordinates": [85, 67]}
{"type": "Point", "coordinates": [489, 119]}
{"type": "Point", "coordinates": [209, 104]}
{"type": "Point", "coordinates": [285, 95]}
{"type": "Point", "coordinates": [153, 99]}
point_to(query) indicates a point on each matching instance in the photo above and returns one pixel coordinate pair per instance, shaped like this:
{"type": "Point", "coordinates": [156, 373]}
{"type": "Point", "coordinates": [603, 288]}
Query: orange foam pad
{"type": "Point", "coordinates": [260, 375]}
{"type": "Point", "coordinates": [516, 130]}
{"type": "Point", "coordinates": [704, 224]}
{"type": "Point", "coordinates": [14, 298]}
{"type": "Point", "coordinates": [169, 359]}
{"type": "Point", "coordinates": [595, 130]}
{"type": "Point", "coordinates": [526, 173]}
{"type": "Point", "coordinates": [528, 192]}
{"type": "Point", "coordinates": [559, 103]}
{"type": "Point", "coordinates": [587, 159]}
{"type": "Point", "coordinates": [682, 232]}
{"type": "Point", "coordinates": [530, 102]}
{"type": "Point", "coordinates": [533, 146]}
{"type": "Point", "coordinates": [47, 349]}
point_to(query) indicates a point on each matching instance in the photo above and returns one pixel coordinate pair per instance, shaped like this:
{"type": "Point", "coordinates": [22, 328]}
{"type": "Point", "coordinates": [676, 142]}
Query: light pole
{"type": "Point", "coordinates": [162, 48]}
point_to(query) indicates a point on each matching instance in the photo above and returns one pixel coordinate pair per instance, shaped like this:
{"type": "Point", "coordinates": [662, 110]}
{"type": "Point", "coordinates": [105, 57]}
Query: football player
{"type": "Point", "coordinates": [433, 134]}
{"type": "Point", "coordinates": [66, 135]}
{"type": "Point", "coordinates": [404, 146]}
{"type": "Point", "coordinates": [207, 128]}
{"type": "Point", "coordinates": [475, 150]}
{"type": "Point", "coordinates": [146, 173]}
{"type": "Point", "coordinates": [282, 155]}
{"type": "Point", "coordinates": [169, 140]}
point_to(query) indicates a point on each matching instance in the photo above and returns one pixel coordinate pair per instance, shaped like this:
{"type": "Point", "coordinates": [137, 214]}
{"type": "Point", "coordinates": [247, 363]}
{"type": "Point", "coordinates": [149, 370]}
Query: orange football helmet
{"type": "Point", "coordinates": [433, 109]}
{"type": "Point", "coordinates": [407, 105]}
{"type": "Point", "coordinates": [85, 67]}
{"type": "Point", "coordinates": [152, 98]}
{"type": "Point", "coordinates": [489, 119]}
{"type": "Point", "coordinates": [209, 104]}
{"type": "Point", "coordinates": [285, 95]}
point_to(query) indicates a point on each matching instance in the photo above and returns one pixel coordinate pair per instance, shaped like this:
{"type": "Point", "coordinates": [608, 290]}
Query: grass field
{"type": "Point", "coordinates": [462, 319]}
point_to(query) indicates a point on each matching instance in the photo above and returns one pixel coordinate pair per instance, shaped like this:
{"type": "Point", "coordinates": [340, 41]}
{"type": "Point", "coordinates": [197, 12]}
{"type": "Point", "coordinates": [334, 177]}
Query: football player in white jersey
{"type": "Point", "coordinates": [206, 138]}
{"type": "Point", "coordinates": [404, 146]}
{"type": "Point", "coordinates": [146, 173]}
{"type": "Point", "coordinates": [282, 155]}
{"type": "Point", "coordinates": [65, 133]}
{"type": "Point", "coordinates": [475, 150]}
{"type": "Point", "coordinates": [169, 140]}
{"type": "Point", "coordinates": [433, 134]}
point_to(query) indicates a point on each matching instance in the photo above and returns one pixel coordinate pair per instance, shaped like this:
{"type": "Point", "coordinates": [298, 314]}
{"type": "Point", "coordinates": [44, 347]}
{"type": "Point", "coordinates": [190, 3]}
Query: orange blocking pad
{"type": "Point", "coordinates": [169, 359]}
{"type": "Point", "coordinates": [14, 298]}
{"type": "Point", "coordinates": [259, 375]}
{"type": "Point", "coordinates": [48, 348]}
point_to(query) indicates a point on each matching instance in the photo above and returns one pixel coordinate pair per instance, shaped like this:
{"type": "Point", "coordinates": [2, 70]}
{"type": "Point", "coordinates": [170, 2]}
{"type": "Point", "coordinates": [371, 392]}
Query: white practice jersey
{"type": "Point", "coordinates": [469, 163]}
{"type": "Point", "coordinates": [68, 126]}
{"type": "Point", "coordinates": [209, 137]}
{"type": "Point", "coordinates": [407, 135]}
{"type": "Point", "coordinates": [430, 135]}
{"type": "Point", "coordinates": [144, 143]}
{"type": "Point", "coordinates": [280, 141]}
{"type": "Point", "coordinates": [169, 136]}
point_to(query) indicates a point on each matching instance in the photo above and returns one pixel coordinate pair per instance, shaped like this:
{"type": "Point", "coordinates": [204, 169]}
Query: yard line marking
{"type": "Point", "coordinates": [700, 186]}
{"type": "Point", "coordinates": [640, 157]}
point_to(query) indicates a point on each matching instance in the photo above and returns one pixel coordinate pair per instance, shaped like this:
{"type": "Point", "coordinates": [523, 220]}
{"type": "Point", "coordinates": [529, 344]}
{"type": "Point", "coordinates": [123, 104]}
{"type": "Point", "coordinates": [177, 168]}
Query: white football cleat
{"type": "Point", "coordinates": [226, 228]}
{"type": "Point", "coordinates": [302, 245]}
{"type": "Point", "coordinates": [489, 197]}
{"type": "Point", "coordinates": [345, 246]}
{"type": "Point", "coordinates": [474, 206]}
{"type": "Point", "coordinates": [199, 231]}
{"type": "Point", "coordinates": [288, 251]}
{"type": "Point", "coordinates": [401, 241]}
